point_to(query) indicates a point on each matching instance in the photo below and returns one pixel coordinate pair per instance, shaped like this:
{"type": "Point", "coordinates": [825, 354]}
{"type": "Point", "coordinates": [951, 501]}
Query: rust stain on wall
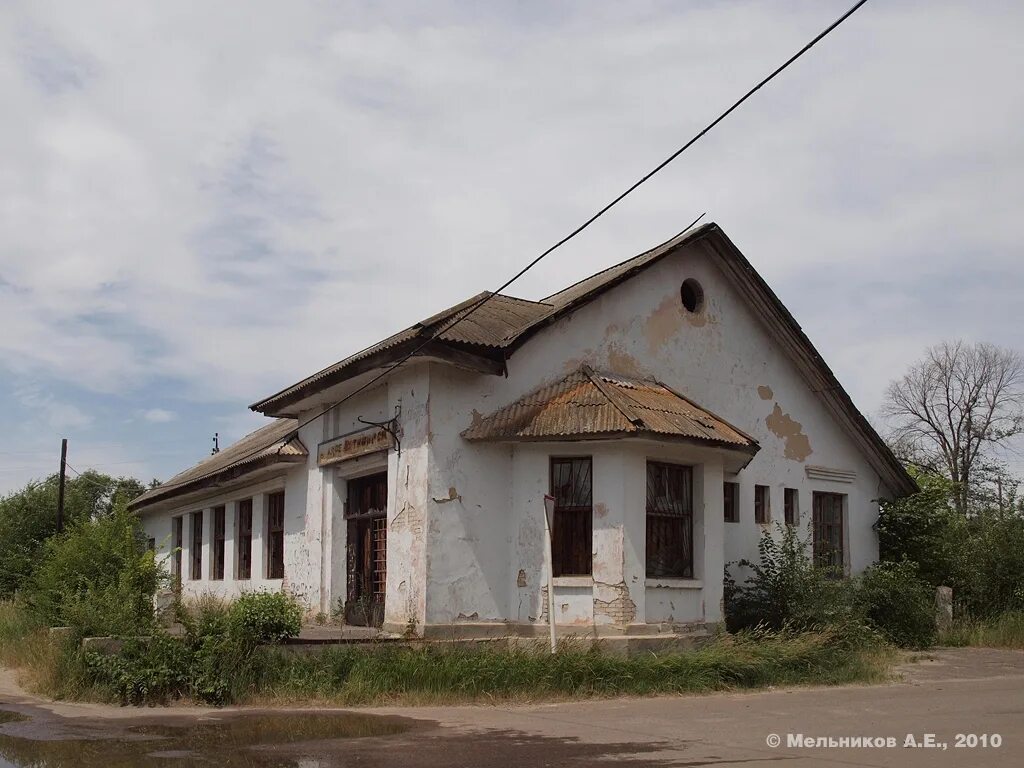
{"type": "Point", "coordinates": [782, 425]}
{"type": "Point", "coordinates": [663, 323]}
{"type": "Point", "coordinates": [620, 361]}
{"type": "Point", "coordinates": [764, 392]}
{"type": "Point", "coordinates": [601, 510]}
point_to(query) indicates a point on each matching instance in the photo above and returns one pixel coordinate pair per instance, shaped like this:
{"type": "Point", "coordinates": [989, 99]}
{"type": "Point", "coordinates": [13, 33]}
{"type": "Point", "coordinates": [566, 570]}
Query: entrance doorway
{"type": "Point", "coordinates": [366, 515]}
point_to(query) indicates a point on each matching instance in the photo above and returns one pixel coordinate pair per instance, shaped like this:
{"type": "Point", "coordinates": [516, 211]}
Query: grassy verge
{"type": "Point", "coordinates": [1003, 631]}
{"type": "Point", "coordinates": [435, 675]}
{"type": "Point", "coordinates": [360, 675]}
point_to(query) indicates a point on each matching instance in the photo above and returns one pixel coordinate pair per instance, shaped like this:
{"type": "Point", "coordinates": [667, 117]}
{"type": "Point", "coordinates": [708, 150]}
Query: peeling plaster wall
{"type": "Point", "coordinates": [408, 500]}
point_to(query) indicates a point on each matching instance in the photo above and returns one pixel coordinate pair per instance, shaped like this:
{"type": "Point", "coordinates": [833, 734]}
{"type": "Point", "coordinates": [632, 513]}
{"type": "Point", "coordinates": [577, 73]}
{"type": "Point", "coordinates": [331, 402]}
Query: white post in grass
{"type": "Point", "coordinates": [549, 517]}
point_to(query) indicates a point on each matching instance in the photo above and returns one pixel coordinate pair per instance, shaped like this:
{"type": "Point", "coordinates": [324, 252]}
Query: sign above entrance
{"type": "Point", "coordinates": [354, 445]}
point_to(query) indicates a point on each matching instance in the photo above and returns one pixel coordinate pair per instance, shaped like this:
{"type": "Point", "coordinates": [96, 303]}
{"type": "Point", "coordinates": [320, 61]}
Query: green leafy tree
{"type": "Point", "coordinates": [924, 528]}
{"type": "Point", "coordinates": [28, 517]}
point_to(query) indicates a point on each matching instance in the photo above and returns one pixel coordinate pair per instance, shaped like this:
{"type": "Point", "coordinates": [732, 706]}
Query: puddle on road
{"type": "Point", "coordinates": [229, 740]}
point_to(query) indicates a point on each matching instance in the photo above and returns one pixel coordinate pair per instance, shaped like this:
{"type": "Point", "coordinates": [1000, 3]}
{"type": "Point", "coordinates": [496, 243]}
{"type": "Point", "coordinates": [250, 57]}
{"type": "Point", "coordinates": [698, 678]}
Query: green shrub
{"type": "Point", "coordinates": [786, 590]}
{"type": "Point", "coordinates": [265, 617]}
{"type": "Point", "coordinates": [899, 604]}
{"type": "Point", "coordinates": [151, 670]}
{"type": "Point", "coordinates": [97, 577]}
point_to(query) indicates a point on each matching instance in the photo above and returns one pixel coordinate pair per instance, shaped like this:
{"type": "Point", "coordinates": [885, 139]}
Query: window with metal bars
{"type": "Point", "coordinates": [218, 543]}
{"type": "Point", "coordinates": [827, 509]}
{"type": "Point", "coordinates": [243, 540]}
{"type": "Point", "coordinates": [197, 546]}
{"type": "Point", "coordinates": [572, 534]}
{"type": "Point", "coordinates": [762, 508]}
{"type": "Point", "coordinates": [731, 500]}
{"type": "Point", "coordinates": [275, 535]}
{"type": "Point", "coordinates": [669, 520]}
{"type": "Point", "coordinates": [791, 500]}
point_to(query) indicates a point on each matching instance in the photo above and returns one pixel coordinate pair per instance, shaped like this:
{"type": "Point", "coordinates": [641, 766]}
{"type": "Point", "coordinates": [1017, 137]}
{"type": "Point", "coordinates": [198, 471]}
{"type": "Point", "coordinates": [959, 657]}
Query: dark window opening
{"type": "Point", "coordinates": [243, 539]}
{"type": "Point", "coordinates": [828, 530]}
{"type": "Point", "coordinates": [197, 546]}
{"type": "Point", "coordinates": [669, 521]}
{"type": "Point", "coordinates": [151, 545]}
{"type": "Point", "coordinates": [762, 511]}
{"type": "Point", "coordinates": [177, 542]}
{"type": "Point", "coordinates": [275, 535]}
{"type": "Point", "coordinates": [731, 495]}
{"type": "Point", "coordinates": [792, 507]}
{"type": "Point", "coordinates": [218, 543]}
{"type": "Point", "coordinates": [572, 535]}
{"type": "Point", "coordinates": [692, 295]}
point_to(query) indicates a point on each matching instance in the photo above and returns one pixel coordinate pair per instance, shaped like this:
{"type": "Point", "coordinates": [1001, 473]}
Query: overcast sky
{"type": "Point", "coordinates": [201, 203]}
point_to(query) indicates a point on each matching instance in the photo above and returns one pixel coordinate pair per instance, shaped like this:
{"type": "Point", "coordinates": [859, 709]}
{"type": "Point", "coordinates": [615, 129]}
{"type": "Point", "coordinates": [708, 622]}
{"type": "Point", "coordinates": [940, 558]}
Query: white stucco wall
{"type": "Point", "coordinates": [723, 358]}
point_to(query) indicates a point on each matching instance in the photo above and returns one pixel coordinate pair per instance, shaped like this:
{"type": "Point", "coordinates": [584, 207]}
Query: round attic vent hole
{"type": "Point", "coordinates": [692, 295]}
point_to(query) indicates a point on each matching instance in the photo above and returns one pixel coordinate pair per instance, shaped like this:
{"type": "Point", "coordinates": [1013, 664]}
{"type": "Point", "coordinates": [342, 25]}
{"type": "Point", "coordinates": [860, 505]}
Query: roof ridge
{"type": "Point", "coordinates": [613, 397]}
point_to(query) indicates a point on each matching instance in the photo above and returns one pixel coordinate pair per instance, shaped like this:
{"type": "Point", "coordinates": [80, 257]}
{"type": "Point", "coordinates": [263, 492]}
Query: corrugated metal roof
{"type": "Point", "coordinates": [489, 326]}
{"type": "Point", "coordinates": [588, 403]}
{"type": "Point", "coordinates": [277, 441]}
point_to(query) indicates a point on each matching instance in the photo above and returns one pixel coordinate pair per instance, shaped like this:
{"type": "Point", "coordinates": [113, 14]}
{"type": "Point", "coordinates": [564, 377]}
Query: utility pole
{"type": "Point", "coordinates": [60, 488]}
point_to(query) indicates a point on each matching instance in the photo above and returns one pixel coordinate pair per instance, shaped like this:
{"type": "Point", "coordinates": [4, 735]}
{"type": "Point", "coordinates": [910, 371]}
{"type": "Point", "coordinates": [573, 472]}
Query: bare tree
{"type": "Point", "coordinates": [956, 406]}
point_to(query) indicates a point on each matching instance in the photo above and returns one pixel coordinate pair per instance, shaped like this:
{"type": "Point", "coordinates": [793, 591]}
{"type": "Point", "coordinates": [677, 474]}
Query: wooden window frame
{"type": "Point", "coordinates": [762, 505]}
{"type": "Point", "coordinates": [568, 556]}
{"type": "Point", "coordinates": [196, 547]}
{"type": "Point", "coordinates": [731, 501]}
{"type": "Point", "coordinates": [826, 558]}
{"type": "Point", "coordinates": [219, 537]}
{"type": "Point", "coordinates": [791, 505]}
{"type": "Point", "coordinates": [660, 524]}
{"type": "Point", "coordinates": [275, 535]}
{"type": "Point", "coordinates": [177, 542]}
{"type": "Point", "coordinates": [243, 541]}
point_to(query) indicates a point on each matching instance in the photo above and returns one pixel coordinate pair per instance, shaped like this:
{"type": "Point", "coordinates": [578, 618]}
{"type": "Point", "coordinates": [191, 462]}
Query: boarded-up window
{"type": "Point", "coordinates": [572, 529]}
{"type": "Point", "coordinates": [275, 535]}
{"type": "Point", "coordinates": [669, 520]}
{"type": "Point", "coordinates": [197, 546]}
{"type": "Point", "coordinates": [218, 543]}
{"type": "Point", "coordinates": [828, 530]}
{"type": "Point", "coordinates": [243, 539]}
{"type": "Point", "coordinates": [177, 542]}
{"type": "Point", "coordinates": [731, 497]}
{"type": "Point", "coordinates": [762, 511]}
{"type": "Point", "coordinates": [792, 507]}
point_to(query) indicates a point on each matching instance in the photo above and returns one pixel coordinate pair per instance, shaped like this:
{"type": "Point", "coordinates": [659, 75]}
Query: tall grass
{"type": "Point", "coordinates": [44, 664]}
{"type": "Point", "coordinates": [1003, 631]}
{"type": "Point", "coordinates": [432, 674]}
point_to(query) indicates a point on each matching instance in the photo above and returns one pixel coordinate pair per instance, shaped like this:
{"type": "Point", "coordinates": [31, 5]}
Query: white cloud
{"type": "Point", "coordinates": [159, 416]}
{"type": "Point", "coordinates": [58, 415]}
{"type": "Point", "coordinates": [234, 205]}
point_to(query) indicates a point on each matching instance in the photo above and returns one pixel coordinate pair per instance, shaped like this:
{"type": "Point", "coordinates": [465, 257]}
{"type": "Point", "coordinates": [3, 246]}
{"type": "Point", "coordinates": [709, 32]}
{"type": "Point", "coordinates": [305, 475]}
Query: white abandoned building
{"type": "Point", "coordinates": [670, 404]}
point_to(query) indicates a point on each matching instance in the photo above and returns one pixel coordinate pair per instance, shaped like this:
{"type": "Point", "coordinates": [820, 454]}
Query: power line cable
{"type": "Point", "coordinates": [459, 317]}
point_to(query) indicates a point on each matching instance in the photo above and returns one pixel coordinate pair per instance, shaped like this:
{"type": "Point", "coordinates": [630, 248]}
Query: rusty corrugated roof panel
{"type": "Point", "coordinates": [590, 404]}
{"type": "Point", "coordinates": [275, 442]}
{"type": "Point", "coordinates": [494, 321]}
